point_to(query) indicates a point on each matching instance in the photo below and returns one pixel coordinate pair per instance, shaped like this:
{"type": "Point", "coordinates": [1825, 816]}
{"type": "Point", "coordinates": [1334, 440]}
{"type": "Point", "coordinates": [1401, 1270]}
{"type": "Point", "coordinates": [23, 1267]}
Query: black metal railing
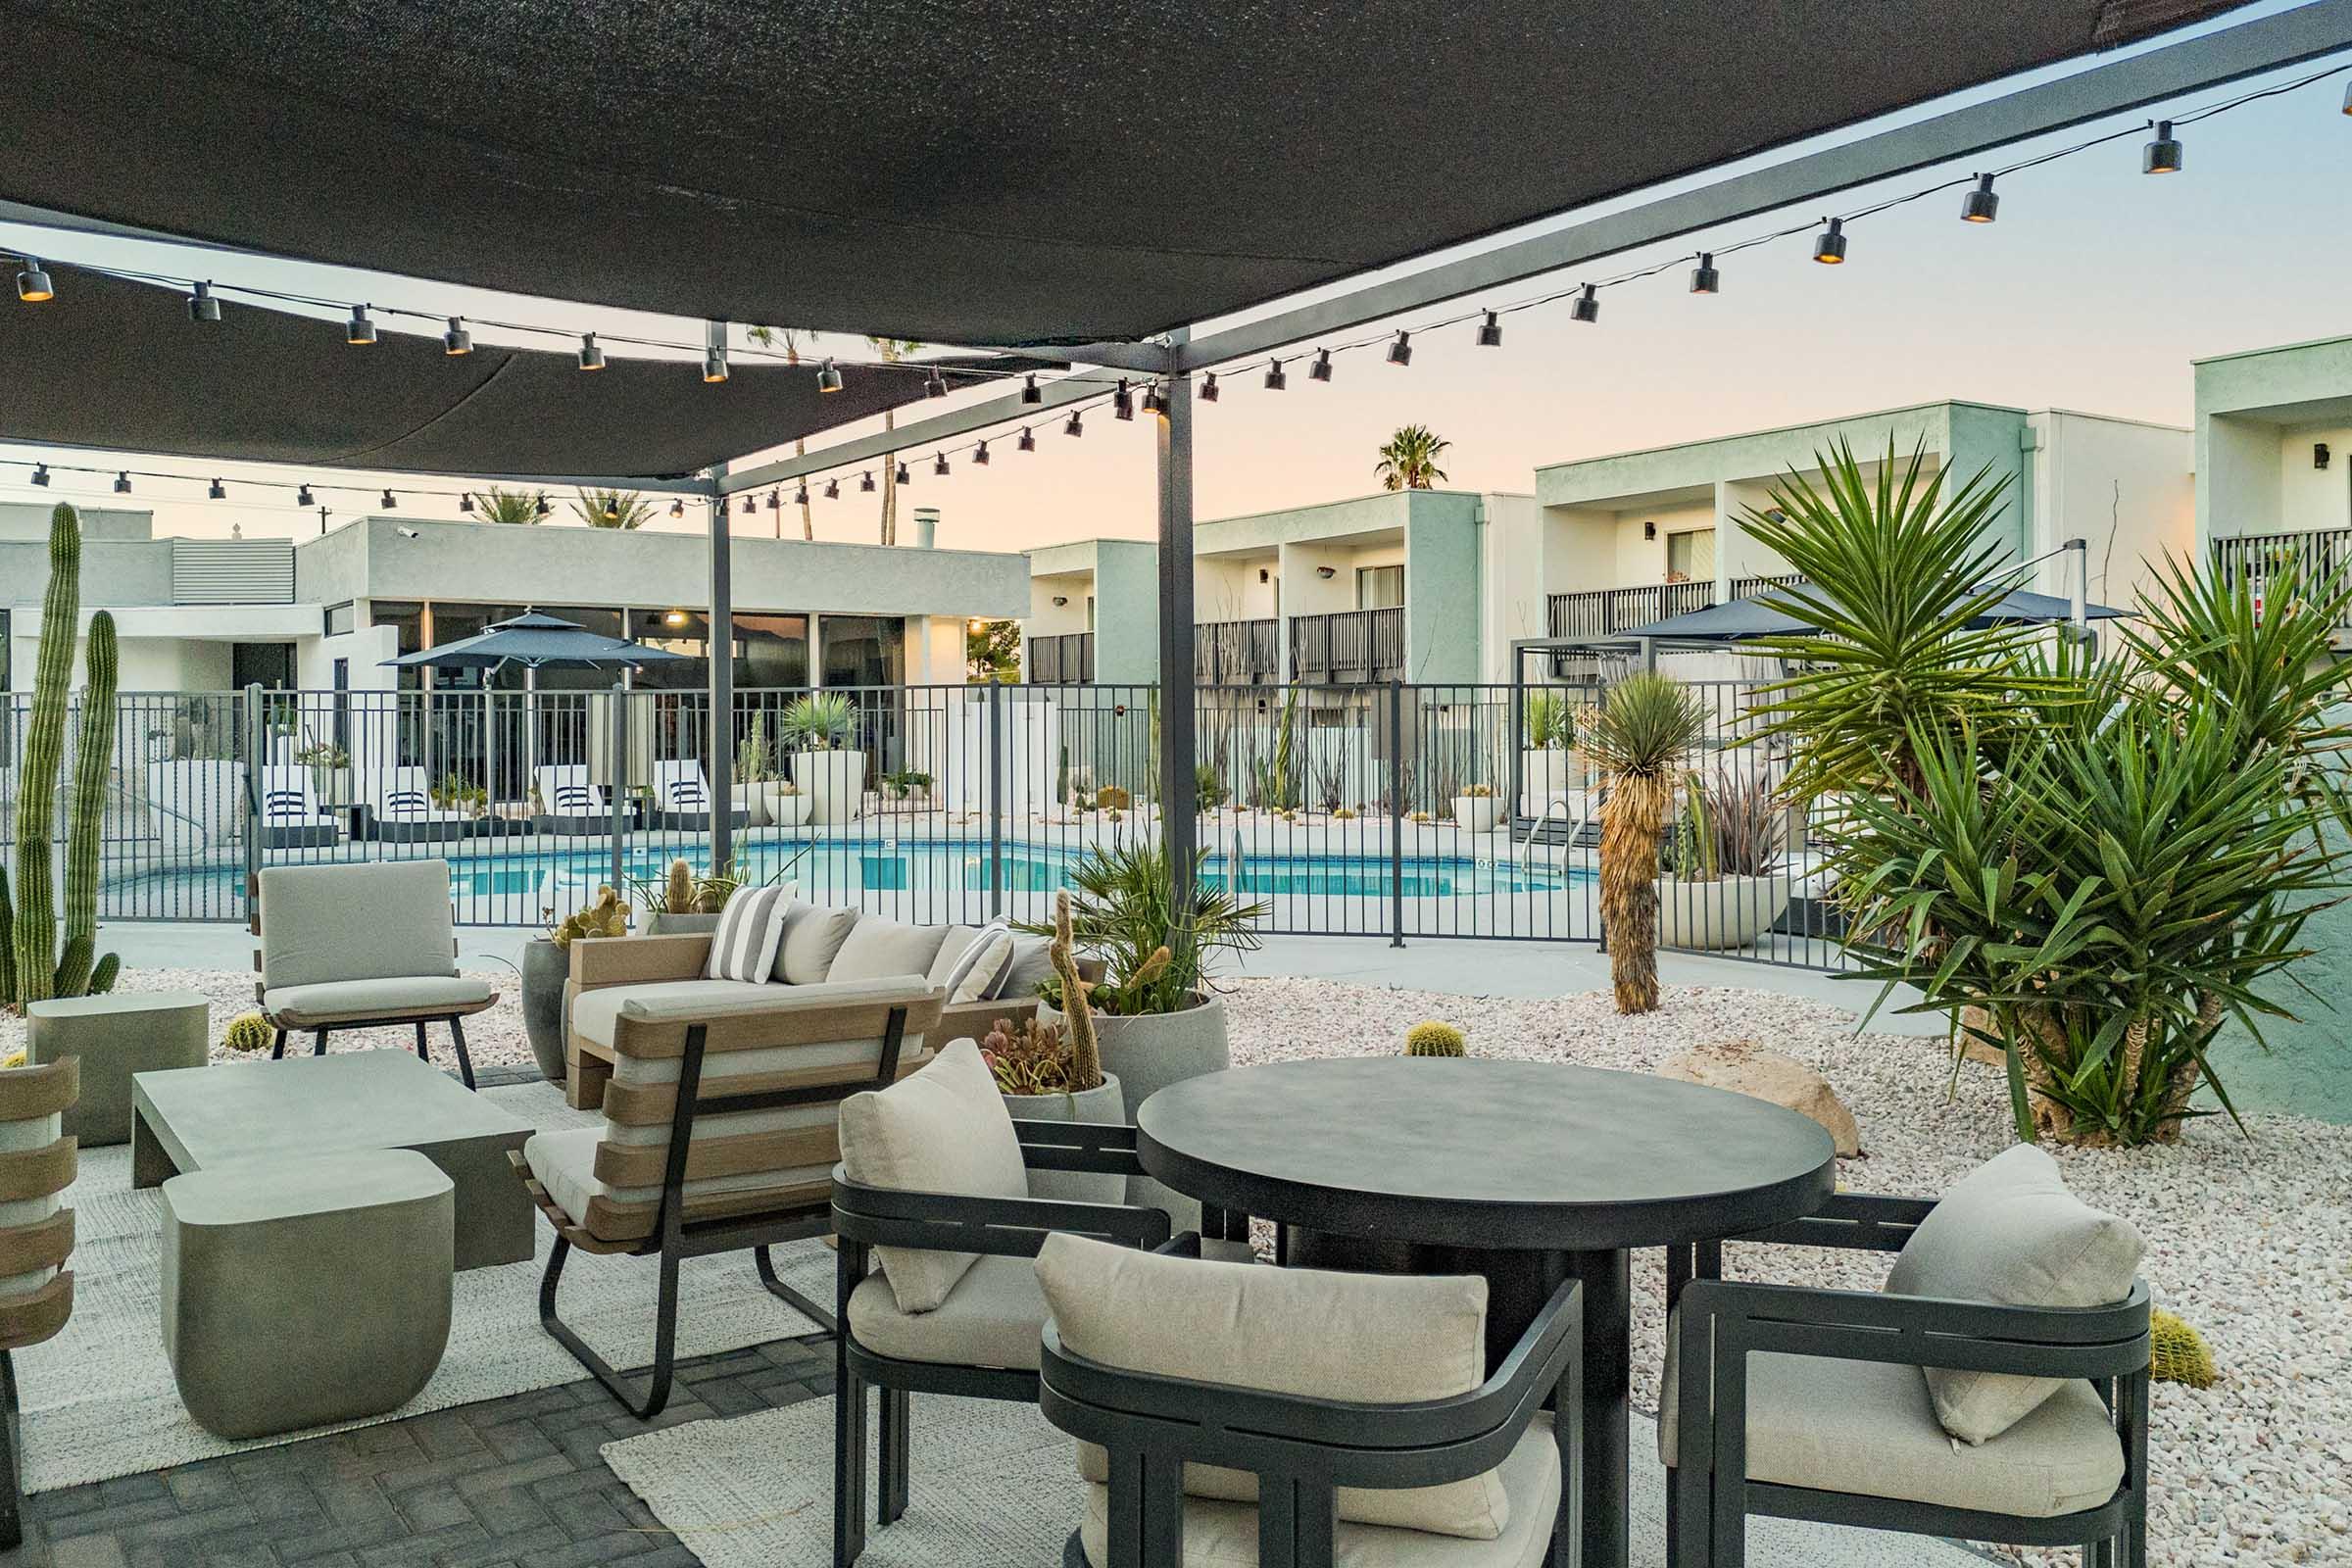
{"type": "Point", "coordinates": [1236, 652]}
{"type": "Point", "coordinates": [1607, 612]}
{"type": "Point", "coordinates": [1749, 587]}
{"type": "Point", "coordinates": [2261, 559]}
{"type": "Point", "coordinates": [1349, 648]}
{"type": "Point", "coordinates": [1064, 660]}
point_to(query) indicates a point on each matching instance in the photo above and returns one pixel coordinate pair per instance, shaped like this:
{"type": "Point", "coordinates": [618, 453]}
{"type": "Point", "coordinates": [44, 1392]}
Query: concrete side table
{"type": "Point", "coordinates": [117, 1034]}
{"type": "Point", "coordinates": [302, 1292]}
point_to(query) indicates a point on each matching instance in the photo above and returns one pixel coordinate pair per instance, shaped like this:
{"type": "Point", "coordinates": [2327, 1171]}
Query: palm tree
{"type": "Point", "coordinates": [505, 505]}
{"type": "Point", "coordinates": [613, 508]}
{"type": "Point", "coordinates": [769, 337]}
{"type": "Point", "coordinates": [892, 349]}
{"type": "Point", "coordinates": [1638, 739]}
{"type": "Point", "coordinates": [1409, 462]}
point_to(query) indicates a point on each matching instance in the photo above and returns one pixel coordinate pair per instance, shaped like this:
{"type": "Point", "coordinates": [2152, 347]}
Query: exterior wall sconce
{"type": "Point", "coordinates": [1060, 599]}
{"type": "Point", "coordinates": [1649, 530]}
{"type": "Point", "coordinates": [2319, 453]}
{"type": "Point", "coordinates": [1264, 575]}
{"type": "Point", "coordinates": [1324, 571]}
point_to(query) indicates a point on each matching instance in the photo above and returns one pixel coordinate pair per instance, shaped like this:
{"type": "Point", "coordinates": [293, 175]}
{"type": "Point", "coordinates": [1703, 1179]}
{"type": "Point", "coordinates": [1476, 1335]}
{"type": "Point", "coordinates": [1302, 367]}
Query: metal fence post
{"type": "Point", "coordinates": [1397, 813]}
{"type": "Point", "coordinates": [998, 776]}
{"type": "Point", "coordinates": [256, 753]}
{"type": "Point", "coordinates": [621, 785]}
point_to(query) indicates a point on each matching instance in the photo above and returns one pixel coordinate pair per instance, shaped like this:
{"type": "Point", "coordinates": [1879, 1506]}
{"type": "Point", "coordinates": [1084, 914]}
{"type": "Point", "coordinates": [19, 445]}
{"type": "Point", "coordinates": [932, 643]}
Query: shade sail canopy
{"type": "Point", "coordinates": [535, 642]}
{"type": "Point", "coordinates": [115, 363]}
{"type": "Point", "coordinates": [1772, 613]}
{"type": "Point", "coordinates": [1000, 172]}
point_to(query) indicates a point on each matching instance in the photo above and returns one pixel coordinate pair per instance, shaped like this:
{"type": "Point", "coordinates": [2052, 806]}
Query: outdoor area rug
{"type": "Point", "coordinates": [99, 1398]}
{"type": "Point", "coordinates": [993, 1485]}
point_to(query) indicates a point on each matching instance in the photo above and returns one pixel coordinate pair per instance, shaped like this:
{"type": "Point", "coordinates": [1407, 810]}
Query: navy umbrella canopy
{"type": "Point", "coordinates": [1772, 613]}
{"type": "Point", "coordinates": [536, 641]}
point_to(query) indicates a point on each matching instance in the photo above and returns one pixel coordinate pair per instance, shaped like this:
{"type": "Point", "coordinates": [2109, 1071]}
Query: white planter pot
{"type": "Point", "coordinates": [786, 810]}
{"type": "Point", "coordinates": [1477, 814]}
{"type": "Point", "coordinates": [1150, 1052]}
{"type": "Point", "coordinates": [1103, 1106]}
{"type": "Point", "coordinates": [832, 782]}
{"type": "Point", "coordinates": [1551, 771]}
{"type": "Point", "coordinates": [1732, 911]}
{"type": "Point", "coordinates": [752, 801]}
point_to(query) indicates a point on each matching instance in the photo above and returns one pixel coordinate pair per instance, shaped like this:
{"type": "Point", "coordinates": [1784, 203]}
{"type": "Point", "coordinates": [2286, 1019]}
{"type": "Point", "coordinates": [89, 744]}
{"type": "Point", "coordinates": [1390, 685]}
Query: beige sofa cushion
{"type": "Point", "coordinates": [971, 961]}
{"type": "Point", "coordinates": [2009, 1231]}
{"type": "Point", "coordinates": [812, 938]}
{"type": "Point", "coordinates": [399, 996]}
{"type": "Point", "coordinates": [943, 1130]}
{"type": "Point", "coordinates": [876, 946]}
{"type": "Point", "coordinates": [1372, 1338]}
{"type": "Point", "coordinates": [1869, 1428]}
{"type": "Point", "coordinates": [370, 920]}
{"type": "Point", "coordinates": [991, 1318]}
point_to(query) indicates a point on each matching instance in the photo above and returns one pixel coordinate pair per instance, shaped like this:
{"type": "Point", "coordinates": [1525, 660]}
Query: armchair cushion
{"type": "Point", "coordinates": [1868, 1427]}
{"type": "Point", "coordinates": [812, 938]}
{"type": "Point", "coordinates": [943, 1130]}
{"type": "Point", "coordinates": [334, 1002]}
{"type": "Point", "coordinates": [2010, 1233]}
{"type": "Point", "coordinates": [564, 1164]}
{"type": "Point", "coordinates": [1372, 1338]}
{"type": "Point", "coordinates": [876, 946]}
{"type": "Point", "coordinates": [377, 921]}
{"type": "Point", "coordinates": [594, 1012]}
{"type": "Point", "coordinates": [992, 1317]}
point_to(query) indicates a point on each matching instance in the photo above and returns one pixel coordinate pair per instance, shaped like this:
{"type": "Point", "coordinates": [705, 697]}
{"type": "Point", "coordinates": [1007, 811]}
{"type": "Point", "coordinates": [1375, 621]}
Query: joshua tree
{"type": "Point", "coordinates": [613, 508]}
{"type": "Point", "coordinates": [892, 349]}
{"type": "Point", "coordinates": [1409, 462]}
{"type": "Point", "coordinates": [1638, 739]}
{"type": "Point", "coordinates": [505, 505]}
{"type": "Point", "coordinates": [788, 338]}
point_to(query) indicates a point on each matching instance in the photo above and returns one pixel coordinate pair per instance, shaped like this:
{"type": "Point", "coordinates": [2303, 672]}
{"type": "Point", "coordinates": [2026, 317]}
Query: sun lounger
{"type": "Point", "coordinates": [404, 812]}
{"type": "Point", "coordinates": [289, 812]}
{"type": "Point", "coordinates": [683, 798]}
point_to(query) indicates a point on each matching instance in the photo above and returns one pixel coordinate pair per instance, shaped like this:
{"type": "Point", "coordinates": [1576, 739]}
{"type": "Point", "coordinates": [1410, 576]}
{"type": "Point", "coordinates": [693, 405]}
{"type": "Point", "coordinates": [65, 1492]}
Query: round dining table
{"type": "Point", "coordinates": [1527, 1173]}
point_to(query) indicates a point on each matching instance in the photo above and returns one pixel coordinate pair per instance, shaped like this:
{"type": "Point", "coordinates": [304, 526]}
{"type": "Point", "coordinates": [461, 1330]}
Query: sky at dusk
{"type": "Point", "coordinates": [2094, 291]}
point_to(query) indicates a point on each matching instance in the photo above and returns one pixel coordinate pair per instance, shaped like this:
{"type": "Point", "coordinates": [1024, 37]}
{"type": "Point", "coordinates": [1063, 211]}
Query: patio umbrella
{"type": "Point", "coordinates": [1771, 613]}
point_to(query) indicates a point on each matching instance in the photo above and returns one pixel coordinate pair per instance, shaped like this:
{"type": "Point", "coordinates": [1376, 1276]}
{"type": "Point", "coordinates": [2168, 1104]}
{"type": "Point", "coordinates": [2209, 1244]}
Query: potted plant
{"type": "Point", "coordinates": [905, 785]}
{"type": "Point", "coordinates": [1155, 1020]}
{"type": "Point", "coordinates": [1727, 881]}
{"type": "Point", "coordinates": [787, 805]}
{"type": "Point", "coordinates": [1477, 810]}
{"type": "Point", "coordinates": [1052, 1070]}
{"type": "Point", "coordinates": [829, 771]}
{"type": "Point", "coordinates": [547, 965]}
{"type": "Point", "coordinates": [1553, 765]}
{"type": "Point", "coordinates": [754, 774]}
{"type": "Point", "coordinates": [328, 764]}
{"type": "Point", "coordinates": [681, 902]}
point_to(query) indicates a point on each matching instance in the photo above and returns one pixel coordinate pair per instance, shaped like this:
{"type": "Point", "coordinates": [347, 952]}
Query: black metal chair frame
{"type": "Point", "coordinates": [12, 1459]}
{"type": "Point", "coordinates": [1301, 1450]}
{"type": "Point", "coordinates": [1723, 1322]}
{"type": "Point", "coordinates": [865, 1217]}
{"type": "Point", "coordinates": [457, 1038]}
{"type": "Point", "coordinates": [675, 1239]}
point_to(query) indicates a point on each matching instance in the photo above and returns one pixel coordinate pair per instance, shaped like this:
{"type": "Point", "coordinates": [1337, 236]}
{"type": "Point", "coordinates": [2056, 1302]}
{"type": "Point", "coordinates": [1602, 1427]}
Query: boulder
{"type": "Point", "coordinates": [1746, 1069]}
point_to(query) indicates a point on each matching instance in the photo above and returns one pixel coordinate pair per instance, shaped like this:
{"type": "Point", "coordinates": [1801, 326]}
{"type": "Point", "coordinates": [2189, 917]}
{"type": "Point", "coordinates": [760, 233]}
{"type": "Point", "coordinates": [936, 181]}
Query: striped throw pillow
{"type": "Point", "coordinates": [744, 946]}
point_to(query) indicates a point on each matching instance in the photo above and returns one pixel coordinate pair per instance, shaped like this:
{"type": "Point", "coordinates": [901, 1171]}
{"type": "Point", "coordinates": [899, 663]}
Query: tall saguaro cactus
{"type": "Point", "coordinates": [38, 972]}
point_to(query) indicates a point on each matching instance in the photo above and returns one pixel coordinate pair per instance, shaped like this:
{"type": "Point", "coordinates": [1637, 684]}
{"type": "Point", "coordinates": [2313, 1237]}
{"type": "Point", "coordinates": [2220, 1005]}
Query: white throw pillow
{"type": "Point", "coordinates": [2009, 1231]}
{"type": "Point", "coordinates": [944, 1129]}
{"type": "Point", "coordinates": [1369, 1339]}
{"type": "Point", "coordinates": [750, 929]}
{"type": "Point", "coordinates": [812, 937]}
{"type": "Point", "coordinates": [878, 945]}
{"type": "Point", "coordinates": [971, 961]}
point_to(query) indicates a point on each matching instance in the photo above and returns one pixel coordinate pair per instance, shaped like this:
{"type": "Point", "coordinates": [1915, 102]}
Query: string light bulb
{"type": "Point", "coordinates": [123, 483]}
{"type": "Point", "coordinates": [1400, 352]}
{"type": "Point", "coordinates": [1122, 400]}
{"type": "Point", "coordinates": [1586, 308]}
{"type": "Point", "coordinates": [217, 491]}
{"type": "Point", "coordinates": [465, 502]}
{"type": "Point", "coordinates": [828, 377]}
{"type": "Point", "coordinates": [592, 358]}
{"type": "Point", "coordinates": [865, 485]}
{"type": "Point", "coordinates": [32, 282]}
{"type": "Point", "coordinates": [1276, 381]}
{"type": "Point", "coordinates": [1489, 331]}
{"type": "Point", "coordinates": [677, 506]}
{"type": "Point", "coordinates": [715, 366]}
{"type": "Point", "coordinates": [980, 454]}
{"type": "Point", "coordinates": [1980, 206]}
{"type": "Point", "coordinates": [539, 507]}
{"type": "Point", "coordinates": [2348, 98]}
{"type": "Point", "coordinates": [1704, 279]}
{"type": "Point", "coordinates": [457, 342]}
{"type": "Point", "coordinates": [1151, 400]}
{"type": "Point", "coordinates": [832, 489]}
{"type": "Point", "coordinates": [902, 475]}
{"type": "Point", "coordinates": [934, 385]}
{"type": "Point", "coordinates": [799, 497]}
{"type": "Point", "coordinates": [41, 474]}
{"type": "Point", "coordinates": [302, 497]}
{"type": "Point", "coordinates": [1027, 442]}
{"type": "Point", "coordinates": [2162, 155]}
{"type": "Point", "coordinates": [939, 464]}
{"type": "Point", "coordinates": [1076, 426]}
{"type": "Point", "coordinates": [202, 309]}
{"type": "Point", "coordinates": [391, 502]}
{"type": "Point", "coordinates": [751, 507]}
{"type": "Point", "coordinates": [1209, 388]}
{"type": "Point", "coordinates": [358, 331]}
{"type": "Point", "coordinates": [1031, 393]}
{"type": "Point", "coordinates": [1320, 370]}
{"type": "Point", "coordinates": [775, 500]}
{"type": "Point", "coordinates": [1830, 249]}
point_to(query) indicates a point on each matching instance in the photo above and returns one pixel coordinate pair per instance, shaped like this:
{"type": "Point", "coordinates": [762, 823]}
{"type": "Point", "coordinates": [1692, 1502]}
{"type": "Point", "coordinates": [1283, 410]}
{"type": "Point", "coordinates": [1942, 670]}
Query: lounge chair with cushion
{"type": "Point", "coordinates": [290, 815]}
{"type": "Point", "coordinates": [403, 811]}
{"type": "Point", "coordinates": [1294, 1417]}
{"type": "Point", "coordinates": [719, 1130]}
{"type": "Point", "coordinates": [37, 1162]}
{"type": "Point", "coordinates": [683, 798]}
{"type": "Point", "coordinates": [569, 802]}
{"type": "Point", "coordinates": [1995, 1391]}
{"type": "Point", "coordinates": [360, 945]}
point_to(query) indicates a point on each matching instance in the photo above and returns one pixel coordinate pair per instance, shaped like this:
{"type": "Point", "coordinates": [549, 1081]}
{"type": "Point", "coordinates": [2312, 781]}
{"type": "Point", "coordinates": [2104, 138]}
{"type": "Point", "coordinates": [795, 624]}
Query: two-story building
{"type": "Point", "coordinates": [2274, 461]}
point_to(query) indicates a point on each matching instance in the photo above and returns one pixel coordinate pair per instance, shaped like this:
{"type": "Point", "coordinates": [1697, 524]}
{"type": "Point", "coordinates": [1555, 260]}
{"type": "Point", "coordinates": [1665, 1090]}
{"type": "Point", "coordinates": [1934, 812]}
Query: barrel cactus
{"type": "Point", "coordinates": [1434, 1039]}
{"type": "Point", "coordinates": [38, 967]}
{"type": "Point", "coordinates": [249, 1032]}
{"type": "Point", "coordinates": [2177, 1353]}
{"type": "Point", "coordinates": [677, 893]}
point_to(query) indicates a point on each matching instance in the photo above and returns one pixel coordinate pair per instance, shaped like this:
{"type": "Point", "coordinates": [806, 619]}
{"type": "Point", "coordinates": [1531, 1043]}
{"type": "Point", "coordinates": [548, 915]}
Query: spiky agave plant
{"type": "Point", "coordinates": [1640, 739]}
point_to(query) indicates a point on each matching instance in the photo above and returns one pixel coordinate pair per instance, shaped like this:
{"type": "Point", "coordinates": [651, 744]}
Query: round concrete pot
{"type": "Point", "coordinates": [833, 783]}
{"type": "Point", "coordinates": [1477, 814]}
{"type": "Point", "coordinates": [1102, 1106]}
{"type": "Point", "coordinates": [1729, 912]}
{"type": "Point", "coordinates": [1148, 1052]}
{"type": "Point", "coordinates": [544, 968]}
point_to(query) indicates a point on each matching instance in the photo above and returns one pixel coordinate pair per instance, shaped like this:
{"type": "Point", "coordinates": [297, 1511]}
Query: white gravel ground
{"type": "Point", "coordinates": [2249, 1238]}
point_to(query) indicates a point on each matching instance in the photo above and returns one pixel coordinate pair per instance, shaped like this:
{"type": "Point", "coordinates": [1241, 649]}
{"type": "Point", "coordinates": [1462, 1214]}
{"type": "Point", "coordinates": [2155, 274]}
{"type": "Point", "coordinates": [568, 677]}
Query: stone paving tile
{"type": "Point", "coordinates": [514, 1483]}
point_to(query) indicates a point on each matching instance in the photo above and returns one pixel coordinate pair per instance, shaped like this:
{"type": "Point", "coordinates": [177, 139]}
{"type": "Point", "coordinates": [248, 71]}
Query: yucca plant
{"type": "Point", "coordinates": [1123, 911]}
{"type": "Point", "coordinates": [1640, 739]}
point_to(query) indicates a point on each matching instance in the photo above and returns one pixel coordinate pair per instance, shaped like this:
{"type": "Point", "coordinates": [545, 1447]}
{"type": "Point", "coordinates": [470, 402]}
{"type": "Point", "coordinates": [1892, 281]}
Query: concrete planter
{"type": "Point", "coordinates": [1102, 1106]}
{"type": "Point", "coordinates": [752, 801]}
{"type": "Point", "coordinates": [1150, 1052]}
{"type": "Point", "coordinates": [544, 968]}
{"type": "Point", "coordinates": [674, 925]}
{"type": "Point", "coordinates": [1731, 912]}
{"type": "Point", "coordinates": [788, 809]}
{"type": "Point", "coordinates": [1551, 771]}
{"type": "Point", "coordinates": [832, 782]}
{"type": "Point", "coordinates": [1477, 814]}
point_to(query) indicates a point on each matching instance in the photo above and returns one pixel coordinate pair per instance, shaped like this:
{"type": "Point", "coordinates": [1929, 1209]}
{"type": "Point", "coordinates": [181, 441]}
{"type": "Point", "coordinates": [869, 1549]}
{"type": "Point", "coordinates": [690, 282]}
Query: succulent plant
{"type": "Point", "coordinates": [1111, 798]}
{"type": "Point", "coordinates": [1431, 1038]}
{"type": "Point", "coordinates": [608, 916]}
{"type": "Point", "coordinates": [249, 1032]}
{"type": "Point", "coordinates": [2177, 1353]}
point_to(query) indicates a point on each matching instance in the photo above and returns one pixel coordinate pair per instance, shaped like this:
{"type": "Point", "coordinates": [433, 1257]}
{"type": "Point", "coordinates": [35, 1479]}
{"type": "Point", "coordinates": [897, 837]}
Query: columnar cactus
{"type": "Point", "coordinates": [1085, 1056]}
{"type": "Point", "coordinates": [93, 758]}
{"type": "Point", "coordinates": [677, 896]}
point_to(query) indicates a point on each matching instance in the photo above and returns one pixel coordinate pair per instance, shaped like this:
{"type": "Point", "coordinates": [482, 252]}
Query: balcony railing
{"type": "Point", "coordinates": [1064, 660]}
{"type": "Point", "coordinates": [2261, 559]}
{"type": "Point", "coordinates": [1236, 652]}
{"type": "Point", "coordinates": [1749, 587]}
{"type": "Point", "coordinates": [1607, 612]}
{"type": "Point", "coordinates": [1350, 648]}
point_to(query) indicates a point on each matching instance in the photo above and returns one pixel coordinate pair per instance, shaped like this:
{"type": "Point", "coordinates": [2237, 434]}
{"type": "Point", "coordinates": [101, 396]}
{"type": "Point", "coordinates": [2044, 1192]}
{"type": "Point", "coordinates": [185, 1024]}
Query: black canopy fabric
{"type": "Point", "coordinates": [979, 172]}
{"type": "Point", "coordinates": [118, 365]}
{"type": "Point", "coordinates": [537, 641]}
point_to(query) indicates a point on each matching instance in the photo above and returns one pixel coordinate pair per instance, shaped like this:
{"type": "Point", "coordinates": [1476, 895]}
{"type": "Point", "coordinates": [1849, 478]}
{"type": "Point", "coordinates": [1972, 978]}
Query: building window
{"type": "Point", "coordinates": [1690, 555]}
{"type": "Point", "coordinates": [1380, 587]}
{"type": "Point", "coordinates": [341, 619]}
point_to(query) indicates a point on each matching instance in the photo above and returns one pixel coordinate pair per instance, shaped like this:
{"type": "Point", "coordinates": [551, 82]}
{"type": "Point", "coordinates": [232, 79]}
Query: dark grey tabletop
{"type": "Point", "coordinates": [1473, 1152]}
